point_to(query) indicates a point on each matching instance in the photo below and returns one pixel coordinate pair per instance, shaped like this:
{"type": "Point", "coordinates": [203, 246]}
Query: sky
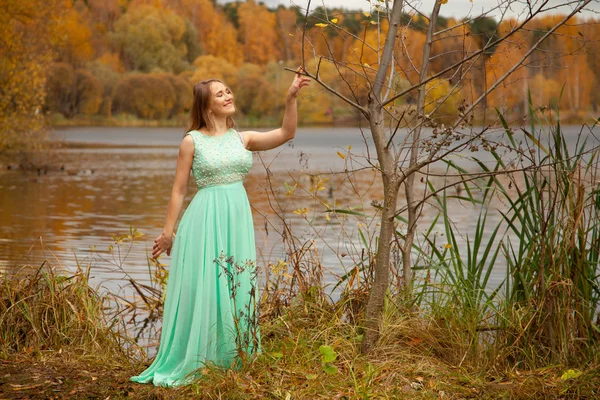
{"type": "Point", "coordinates": [453, 8]}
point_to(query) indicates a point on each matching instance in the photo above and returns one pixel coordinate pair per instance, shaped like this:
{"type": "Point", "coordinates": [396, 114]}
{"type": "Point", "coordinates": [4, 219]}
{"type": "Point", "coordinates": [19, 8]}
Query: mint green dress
{"type": "Point", "coordinates": [209, 311]}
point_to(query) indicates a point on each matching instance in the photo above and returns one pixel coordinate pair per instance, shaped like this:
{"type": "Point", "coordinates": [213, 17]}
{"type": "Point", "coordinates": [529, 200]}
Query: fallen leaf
{"type": "Point", "coordinates": [16, 386]}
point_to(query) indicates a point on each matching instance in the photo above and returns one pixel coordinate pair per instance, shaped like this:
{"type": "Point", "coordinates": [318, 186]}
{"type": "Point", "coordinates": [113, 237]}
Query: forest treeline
{"type": "Point", "coordinates": [141, 57]}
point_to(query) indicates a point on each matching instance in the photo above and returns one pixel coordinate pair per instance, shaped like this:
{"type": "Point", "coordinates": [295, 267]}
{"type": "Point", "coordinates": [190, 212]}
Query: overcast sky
{"type": "Point", "coordinates": [454, 8]}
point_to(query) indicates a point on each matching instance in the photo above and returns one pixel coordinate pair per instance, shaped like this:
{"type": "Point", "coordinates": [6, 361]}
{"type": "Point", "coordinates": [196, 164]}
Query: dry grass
{"type": "Point", "coordinates": [58, 344]}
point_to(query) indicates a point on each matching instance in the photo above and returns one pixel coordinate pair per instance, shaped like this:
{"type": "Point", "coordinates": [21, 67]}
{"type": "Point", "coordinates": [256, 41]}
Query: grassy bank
{"type": "Point", "coordinates": [123, 120]}
{"type": "Point", "coordinates": [339, 120]}
{"type": "Point", "coordinates": [56, 343]}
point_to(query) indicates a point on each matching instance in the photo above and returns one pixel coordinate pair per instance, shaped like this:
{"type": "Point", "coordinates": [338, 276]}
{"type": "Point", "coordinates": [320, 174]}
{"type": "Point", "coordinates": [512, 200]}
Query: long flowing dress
{"type": "Point", "coordinates": [209, 311]}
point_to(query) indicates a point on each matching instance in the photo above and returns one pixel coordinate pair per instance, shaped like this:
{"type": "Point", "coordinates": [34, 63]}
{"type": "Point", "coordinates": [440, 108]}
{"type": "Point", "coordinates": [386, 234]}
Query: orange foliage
{"type": "Point", "coordinates": [113, 61]}
{"type": "Point", "coordinates": [410, 49]}
{"type": "Point", "coordinates": [28, 36]}
{"type": "Point", "coordinates": [71, 92]}
{"type": "Point", "coordinates": [217, 35]}
{"type": "Point", "coordinates": [257, 33]}
{"type": "Point", "coordinates": [511, 95]}
{"type": "Point", "coordinates": [208, 67]}
{"type": "Point", "coordinates": [154, 35]}
{"type": "Point", "coordinates": [75, 47]}
{"type": "Point", "coordinates": [145, 95]}
{"type": "Point", "coordinates": [288, 34]}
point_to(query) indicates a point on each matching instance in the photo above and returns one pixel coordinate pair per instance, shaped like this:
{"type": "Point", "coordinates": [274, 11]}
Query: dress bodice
{"type": "Point", "coordinates": [219, 159]}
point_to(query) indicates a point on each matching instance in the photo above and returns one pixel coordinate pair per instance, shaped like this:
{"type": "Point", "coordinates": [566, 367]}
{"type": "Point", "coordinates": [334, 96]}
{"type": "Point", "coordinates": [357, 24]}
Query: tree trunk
{"type": "Point", "coordinates": [389, 177]}
{"type": "Point", "coordinates": [386, 231]}
{"type": "Point", "coordinates": [409, 184]}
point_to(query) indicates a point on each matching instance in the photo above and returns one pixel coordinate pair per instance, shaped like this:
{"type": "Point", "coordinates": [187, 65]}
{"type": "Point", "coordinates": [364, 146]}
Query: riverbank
{"type": "Point", "coordinates": [52, 330]}
{"type": "Point", "coordinates": [123, 120]}
{"type": "Point", "coordinates": [405, 374]}
{"type": "Point", "coordinates": [342, 120]}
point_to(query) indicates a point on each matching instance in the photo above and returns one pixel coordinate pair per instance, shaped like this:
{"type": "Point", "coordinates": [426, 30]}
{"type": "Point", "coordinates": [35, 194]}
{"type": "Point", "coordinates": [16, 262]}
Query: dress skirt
{"type": "Point", "coordinates": [209, 311]}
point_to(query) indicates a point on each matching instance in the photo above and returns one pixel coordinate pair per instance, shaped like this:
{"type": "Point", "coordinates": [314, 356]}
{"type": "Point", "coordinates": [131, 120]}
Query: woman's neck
{"type": "Point", "coordinates": [219, 126]}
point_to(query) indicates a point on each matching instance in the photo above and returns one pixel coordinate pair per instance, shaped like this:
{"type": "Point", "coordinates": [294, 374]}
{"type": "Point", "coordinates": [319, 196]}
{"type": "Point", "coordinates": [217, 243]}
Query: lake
{"type": "Point", "coordinates": [117, 178]}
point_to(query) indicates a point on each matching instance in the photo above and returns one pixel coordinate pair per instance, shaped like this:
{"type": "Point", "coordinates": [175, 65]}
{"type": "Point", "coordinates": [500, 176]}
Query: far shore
{"type": "Point", "coordinates": [122, 121]}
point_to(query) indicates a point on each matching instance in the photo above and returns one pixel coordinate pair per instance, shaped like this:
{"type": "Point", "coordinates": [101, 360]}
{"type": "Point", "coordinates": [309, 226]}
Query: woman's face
{"type": "Point", "coordinates": [221, 101]}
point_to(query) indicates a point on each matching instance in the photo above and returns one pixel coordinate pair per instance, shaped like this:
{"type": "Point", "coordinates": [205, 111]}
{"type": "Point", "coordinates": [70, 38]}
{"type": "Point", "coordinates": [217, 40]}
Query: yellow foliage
{"type": "Point", "coordinates": [441, 100]}
{"type": "Point", "coordinates": [209, 66]}
{"type": "Point", "coordinates": [145, 95]}
{"type": "Point", "coordinates": [113, 61]}
{"type": "Point", "coordinates": [217, 35]}
{"type": "Point", "coordinates": [28, 32]}
{"type": "Point", "coordinates": [74, 36]}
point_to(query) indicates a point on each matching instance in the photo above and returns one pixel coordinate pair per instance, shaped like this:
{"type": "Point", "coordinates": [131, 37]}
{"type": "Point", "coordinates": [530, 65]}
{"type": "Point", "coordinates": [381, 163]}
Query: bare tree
{"type": "Point", "coordinates": [398, 161]}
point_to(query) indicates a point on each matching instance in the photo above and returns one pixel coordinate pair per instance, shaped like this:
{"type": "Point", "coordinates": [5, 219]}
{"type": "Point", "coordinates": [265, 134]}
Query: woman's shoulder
{"type": "Point", "coordinates": [189, 140]}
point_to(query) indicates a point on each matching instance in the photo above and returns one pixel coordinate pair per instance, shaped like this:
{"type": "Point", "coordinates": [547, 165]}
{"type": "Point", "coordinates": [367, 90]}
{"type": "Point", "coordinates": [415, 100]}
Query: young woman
{"type": "Point", "coordinates": [210, 291]}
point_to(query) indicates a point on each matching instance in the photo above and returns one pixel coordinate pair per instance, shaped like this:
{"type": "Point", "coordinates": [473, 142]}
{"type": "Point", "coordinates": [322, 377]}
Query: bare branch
{"type": "Point", "coordinates": [520, 62]}
{"type": "Point", "coordinates": [333, 91]}
{"type": "Point", "coordinates": [387, 50]}
{"type": "Point", "coordinates": [455, 65]}
{"type": "Point", "coordinates": [304, 34]}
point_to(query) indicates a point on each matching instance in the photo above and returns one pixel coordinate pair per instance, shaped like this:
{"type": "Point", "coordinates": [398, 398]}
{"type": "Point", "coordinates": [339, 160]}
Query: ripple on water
{"type": "Point", "coordinates": [131, 187]}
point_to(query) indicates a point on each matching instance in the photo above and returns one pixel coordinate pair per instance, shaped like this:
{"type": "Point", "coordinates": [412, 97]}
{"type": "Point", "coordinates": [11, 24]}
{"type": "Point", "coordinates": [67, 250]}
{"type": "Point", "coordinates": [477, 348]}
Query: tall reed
{"type": "Point", "coordinates": [546, 310]}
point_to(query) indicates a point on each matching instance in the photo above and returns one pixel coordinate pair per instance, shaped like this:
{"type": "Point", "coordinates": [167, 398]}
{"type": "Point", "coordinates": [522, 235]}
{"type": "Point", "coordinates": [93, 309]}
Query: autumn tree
{"type": "Point", "coordinates": [247, 93]}
{"type": "Point", "coordinates": [287, 31]}
{"type": "Point", "coordinates": [183, 94]}
{"type": "Point", "coordinates": [71, 92]}
{"type": "Point", "coordinates": [145, 96]}
{"type": "Point", "coordinates": [591, 32]}
{"type": "Point", "coordinates": [151, 38]}
{"type": "Point", "coordinates": [29, 34]}
{"type": "Point", "coordinates": [209, 66]}
{"type": "Point", "coordinates": [257, 32]}
{"type": "Point", "coordinates": [108, 70]}
{"type": "Point", "coordinates": [216, 34]}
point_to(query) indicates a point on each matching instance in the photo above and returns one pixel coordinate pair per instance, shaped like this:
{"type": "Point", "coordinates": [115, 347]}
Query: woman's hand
{"type": "Point", "coordinates": [161, 244]}
{"type": "Point", "coordinates": [299, 82]}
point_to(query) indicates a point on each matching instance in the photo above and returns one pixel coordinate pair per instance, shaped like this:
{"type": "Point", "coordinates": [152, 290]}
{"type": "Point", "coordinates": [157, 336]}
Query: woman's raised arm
{"type": "Point", "coordinates": [257, 141]}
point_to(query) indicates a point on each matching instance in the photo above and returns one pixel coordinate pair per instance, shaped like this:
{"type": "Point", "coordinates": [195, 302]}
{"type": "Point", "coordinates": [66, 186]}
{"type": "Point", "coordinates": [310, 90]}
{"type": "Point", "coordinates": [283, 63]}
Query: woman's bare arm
{"type": "Point", "coordinates": [184, 164]}
{"type": "Point", "coordinates": [257, 141]}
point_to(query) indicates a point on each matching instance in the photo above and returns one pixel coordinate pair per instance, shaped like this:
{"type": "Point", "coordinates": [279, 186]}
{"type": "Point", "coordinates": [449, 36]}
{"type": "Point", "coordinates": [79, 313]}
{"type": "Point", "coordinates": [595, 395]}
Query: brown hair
{"type": "Point", "coordinates": [199, 113]}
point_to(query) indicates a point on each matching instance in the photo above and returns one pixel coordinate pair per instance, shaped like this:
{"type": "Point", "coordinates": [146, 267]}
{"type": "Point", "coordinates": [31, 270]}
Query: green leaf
{"type": "Point", "coordinates": [276, 355]}
{"type": "Point", "coordinates": [570, 374]}
{"type": "Point", "coordinates": [330, 369]}
{"type": "Point", "coordinates": [350, 212]}
{"type": "Point", "coordinates": [329, 355]}
{"type": "Point", "coordinates": [311, 377]}
{"type": "Point", "coordinates": [536, 142]}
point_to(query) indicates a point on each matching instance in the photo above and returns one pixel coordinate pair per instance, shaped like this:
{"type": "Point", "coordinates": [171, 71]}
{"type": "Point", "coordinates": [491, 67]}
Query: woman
{"type": "Point", "coordinates": [209, 304]}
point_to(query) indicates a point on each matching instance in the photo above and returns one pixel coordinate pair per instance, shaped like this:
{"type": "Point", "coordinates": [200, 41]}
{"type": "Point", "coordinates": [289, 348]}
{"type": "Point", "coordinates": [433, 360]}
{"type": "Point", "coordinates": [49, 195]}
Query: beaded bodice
{"type": "Point", "coordinates": [219, 159]}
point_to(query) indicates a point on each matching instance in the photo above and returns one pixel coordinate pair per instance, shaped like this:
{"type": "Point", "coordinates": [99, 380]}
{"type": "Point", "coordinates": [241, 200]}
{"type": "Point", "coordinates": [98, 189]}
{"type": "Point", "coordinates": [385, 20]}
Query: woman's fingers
{"type": "Point", "coordinates": [161, 245]}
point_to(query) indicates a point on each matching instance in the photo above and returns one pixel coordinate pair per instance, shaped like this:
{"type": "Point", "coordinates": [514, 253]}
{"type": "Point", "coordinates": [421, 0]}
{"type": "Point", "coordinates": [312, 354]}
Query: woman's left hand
{"type": "Point", "coordinates": [299, 82]}
{"type": "Point", "coordinates": [162, 244]}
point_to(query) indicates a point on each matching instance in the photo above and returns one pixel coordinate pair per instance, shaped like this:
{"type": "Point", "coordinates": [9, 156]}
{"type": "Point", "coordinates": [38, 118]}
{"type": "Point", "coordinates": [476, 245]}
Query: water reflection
{"type": "Point", "coordinates": [106, 188]}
